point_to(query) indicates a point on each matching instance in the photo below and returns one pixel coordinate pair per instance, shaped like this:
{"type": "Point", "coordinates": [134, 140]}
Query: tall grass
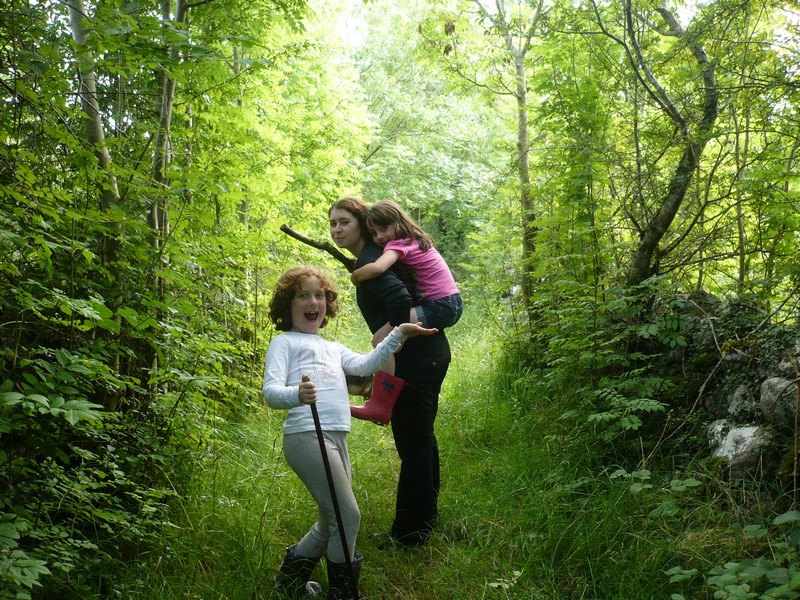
{"type": "Point", "coordinates": [527, 508]}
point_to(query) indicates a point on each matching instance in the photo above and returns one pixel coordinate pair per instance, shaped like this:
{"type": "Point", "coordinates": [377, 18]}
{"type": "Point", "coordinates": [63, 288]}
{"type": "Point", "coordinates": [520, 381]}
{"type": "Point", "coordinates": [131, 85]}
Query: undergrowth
{"type": "Point", "coordinates": [531, 507]}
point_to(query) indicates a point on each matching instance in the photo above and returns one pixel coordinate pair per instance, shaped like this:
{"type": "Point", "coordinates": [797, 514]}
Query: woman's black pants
{"type": "Point", "coordinates": [423, 363]}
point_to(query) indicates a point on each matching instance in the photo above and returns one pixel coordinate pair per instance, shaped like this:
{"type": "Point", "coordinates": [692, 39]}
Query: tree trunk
{"type": "Point", "coordinates": [645, 259]}
{"type": "Point", "coordinates": [644, 266]}
{"type": "Point", "coordinates": [524, 172]}
{"type": "Point", "coordinates": [518, 47]}
{"type": "Point", "coordinates": [741, 172]}
{"type": "Point", "coordinates": [158, 218]}
{"type": "Point", "coordinates": [95, 136]}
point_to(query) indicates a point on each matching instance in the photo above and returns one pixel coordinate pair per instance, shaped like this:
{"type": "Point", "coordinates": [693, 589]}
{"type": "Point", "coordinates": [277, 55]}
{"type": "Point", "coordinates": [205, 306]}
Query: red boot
{"type": "Point", "coordinates": [378, 408]}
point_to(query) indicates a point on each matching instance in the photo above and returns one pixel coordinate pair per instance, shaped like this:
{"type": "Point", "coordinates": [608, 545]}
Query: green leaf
{"type": "Point", "coordinates": [791, 516]}
{"type": "Point", "coordinates": [637, 488]}
{"type": "Point", "coordinates": [75, 410]}
{"type": "Point", "coordinates": [108, 325]}
{"type": "Point", "coordinates": [754, 531]}
{"type": "Point", "coordinates": [794, 536]}
{"type": "Point", "coordinates": [39, 399]}
{"type": "Point", "coordinates": [681, 485]}
{"type": "Point", "coordinates": [666, 509]}
{"type": "Point", "coordinates": [630, 422]}
{"type": "Point", "coordinates": [679, 574]}
{"type": "Point", "coordinates": [792, 585]}
{"type": "Point", "coordinates": [10, 398]}
{"type": "Point", "coordinates": [8, 531]}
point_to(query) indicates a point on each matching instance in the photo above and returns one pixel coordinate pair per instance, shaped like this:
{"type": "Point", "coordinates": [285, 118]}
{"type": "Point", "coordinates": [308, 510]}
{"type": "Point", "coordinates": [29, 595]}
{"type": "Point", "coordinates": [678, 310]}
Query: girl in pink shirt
{"type": "Point", "coordinates": [440, 303]}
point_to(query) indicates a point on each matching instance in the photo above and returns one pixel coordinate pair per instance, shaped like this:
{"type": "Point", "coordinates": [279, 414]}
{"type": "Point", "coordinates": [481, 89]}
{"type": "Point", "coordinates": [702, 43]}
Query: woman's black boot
{"type": "Point", "coordinates": [340, 586]}
{"type": "Point", "coordinates": [293, 578]}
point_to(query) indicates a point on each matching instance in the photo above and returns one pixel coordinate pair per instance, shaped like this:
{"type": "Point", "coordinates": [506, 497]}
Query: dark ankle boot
{"type": "Point", "coordinates": [340, 584]}
{"type": "Point", "coordinates": [378, 408]}
{"type": "Point", "coordinates": [293, 578]}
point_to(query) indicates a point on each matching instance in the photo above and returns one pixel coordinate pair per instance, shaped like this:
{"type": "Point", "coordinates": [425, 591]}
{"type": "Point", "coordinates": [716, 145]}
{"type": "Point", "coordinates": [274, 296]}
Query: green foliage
{"type": "Point", "coordinates": [436, 150]}
{"type": "Point", "coordinates": [666, 329]}
{"type": "Point", "coordinates": [773, 575]}
{"type": "Point", "coordinates": [20, 572]}
{"type": "Point", "coordinates": [528, 506]}
{"type": "Point", "coordinates": [72, 498]}
{"type": "Point", "coordinates": [624, 400]}
{"type": "Point", "coordinates": [118, 365]}
{"type": "Point", "coordinates": [124, 349]}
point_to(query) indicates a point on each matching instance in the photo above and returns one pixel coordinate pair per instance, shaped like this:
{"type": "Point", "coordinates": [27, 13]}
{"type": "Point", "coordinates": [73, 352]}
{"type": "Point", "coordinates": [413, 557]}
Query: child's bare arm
{"type": "Point", "coordinates": [375, 269]}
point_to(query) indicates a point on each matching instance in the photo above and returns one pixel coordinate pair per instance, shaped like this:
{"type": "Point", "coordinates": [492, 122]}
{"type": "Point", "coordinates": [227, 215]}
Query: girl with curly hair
{"type": "Point", "coordinates": [302, 368]}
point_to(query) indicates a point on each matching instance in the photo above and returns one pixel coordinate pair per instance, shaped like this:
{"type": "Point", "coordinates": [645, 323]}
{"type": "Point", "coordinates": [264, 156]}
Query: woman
{"type": "Point", "coordinates": [422, 363]}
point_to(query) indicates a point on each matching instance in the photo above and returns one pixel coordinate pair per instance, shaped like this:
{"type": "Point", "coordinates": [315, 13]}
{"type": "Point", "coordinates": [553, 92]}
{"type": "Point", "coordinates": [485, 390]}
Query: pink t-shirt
{"type": "Point", "coordinates": [434, 279]}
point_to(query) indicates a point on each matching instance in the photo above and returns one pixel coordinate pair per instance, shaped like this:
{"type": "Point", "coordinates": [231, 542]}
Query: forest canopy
{"type": "Point", "coordinates": [587, 169]}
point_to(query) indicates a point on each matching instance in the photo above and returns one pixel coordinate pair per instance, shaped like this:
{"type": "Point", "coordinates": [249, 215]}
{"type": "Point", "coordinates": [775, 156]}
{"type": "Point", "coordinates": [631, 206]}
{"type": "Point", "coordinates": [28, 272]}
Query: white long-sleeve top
{"type": "Point", "coordinates": [292, 355]}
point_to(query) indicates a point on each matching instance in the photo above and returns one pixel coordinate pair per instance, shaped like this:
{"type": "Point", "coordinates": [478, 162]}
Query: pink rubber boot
{"type": "Point", "coordinates": [378, 408]}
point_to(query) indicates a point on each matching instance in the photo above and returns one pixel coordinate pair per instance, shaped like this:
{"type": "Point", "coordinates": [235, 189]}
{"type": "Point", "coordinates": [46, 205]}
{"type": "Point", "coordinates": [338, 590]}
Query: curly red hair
{"type": "Point", "coordinates": [288, 285]}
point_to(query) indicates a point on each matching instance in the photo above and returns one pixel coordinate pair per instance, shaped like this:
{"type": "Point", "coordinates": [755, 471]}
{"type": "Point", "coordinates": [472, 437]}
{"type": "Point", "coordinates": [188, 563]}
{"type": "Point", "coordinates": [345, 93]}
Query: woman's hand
{"type": "Point", "coordinates": [414, 329]}
{"type": "Point", "coordinates": [307, 391]}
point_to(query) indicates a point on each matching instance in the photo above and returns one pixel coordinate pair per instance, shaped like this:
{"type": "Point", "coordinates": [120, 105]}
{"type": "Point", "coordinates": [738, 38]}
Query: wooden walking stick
{"type": "Point", "coordinates": [329, 475]}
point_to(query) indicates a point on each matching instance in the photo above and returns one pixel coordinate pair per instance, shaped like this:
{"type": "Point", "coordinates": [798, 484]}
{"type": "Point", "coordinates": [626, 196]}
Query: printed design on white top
{"type": "Point", "coordinates": [326, 374]}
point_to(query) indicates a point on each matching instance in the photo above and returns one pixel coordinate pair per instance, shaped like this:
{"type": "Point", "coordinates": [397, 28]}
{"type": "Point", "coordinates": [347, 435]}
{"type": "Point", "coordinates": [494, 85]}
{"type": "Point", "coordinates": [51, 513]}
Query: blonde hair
{"type": "Point", "coordinates": [288, 285]}
{"type": "Point", "coordinates": [387, 212]}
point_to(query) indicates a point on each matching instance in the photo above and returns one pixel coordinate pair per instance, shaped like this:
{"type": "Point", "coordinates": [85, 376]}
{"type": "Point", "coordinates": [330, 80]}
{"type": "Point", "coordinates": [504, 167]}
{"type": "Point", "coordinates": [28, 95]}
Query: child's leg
{"type": "Point", "coordinates": [438, 314]}
{"type": "Point", "coordinates": [303, 454]}
{"type": "Point", "coordinates": [389, 365]}
{"type": "Point", "coordinates": [386, 388]}
{"type": "Point", "coordinates": [377, 338]}
{"type": "Point", "coordinates": [423, 313]}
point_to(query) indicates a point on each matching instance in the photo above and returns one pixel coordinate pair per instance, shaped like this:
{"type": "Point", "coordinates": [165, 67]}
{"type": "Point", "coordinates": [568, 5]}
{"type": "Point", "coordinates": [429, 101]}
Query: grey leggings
{"type": "Point", "coordinates": [304, 457]}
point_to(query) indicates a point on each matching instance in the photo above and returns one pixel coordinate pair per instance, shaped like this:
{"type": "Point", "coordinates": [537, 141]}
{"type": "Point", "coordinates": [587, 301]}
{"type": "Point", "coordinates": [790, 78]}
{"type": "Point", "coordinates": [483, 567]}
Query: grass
{"type": "Point", "coordinates": [525, 511]}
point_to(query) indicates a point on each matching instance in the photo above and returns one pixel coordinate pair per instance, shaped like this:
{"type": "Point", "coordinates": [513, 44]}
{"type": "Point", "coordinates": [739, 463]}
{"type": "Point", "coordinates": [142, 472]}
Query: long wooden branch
{"type": "Point", "coordinates": [347, 261]}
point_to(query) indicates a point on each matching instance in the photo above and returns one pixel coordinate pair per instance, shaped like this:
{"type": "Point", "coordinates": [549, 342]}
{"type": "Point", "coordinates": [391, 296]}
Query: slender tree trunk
{"type": "Point", "coordinates": [158, 217]}
{"type": "Point", "coordinates": [517, 48]}
{"type": "Point", "coordinates": [645, 259]}
{"type": "Point", "coordinates": [788, 188]}
{"type": "Point", "coordinates": [93, 123]}
{"type": "Point", "coordinates": [95, 136]}
{"type": "Point", "coordinates": [644, 266]}
{"type": "Point", "coordinates": [741, 172]}
{"type": "Point", "coordinates": [244, 205]}
{"type": "Point", "coordinates": [524, 172]}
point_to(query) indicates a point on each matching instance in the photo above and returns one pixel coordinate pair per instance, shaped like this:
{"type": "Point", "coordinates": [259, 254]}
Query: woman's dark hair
{"type": "Point", "coordinates": [386, 212]}
{"type": "Point", "coordinates": [288, 285]}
